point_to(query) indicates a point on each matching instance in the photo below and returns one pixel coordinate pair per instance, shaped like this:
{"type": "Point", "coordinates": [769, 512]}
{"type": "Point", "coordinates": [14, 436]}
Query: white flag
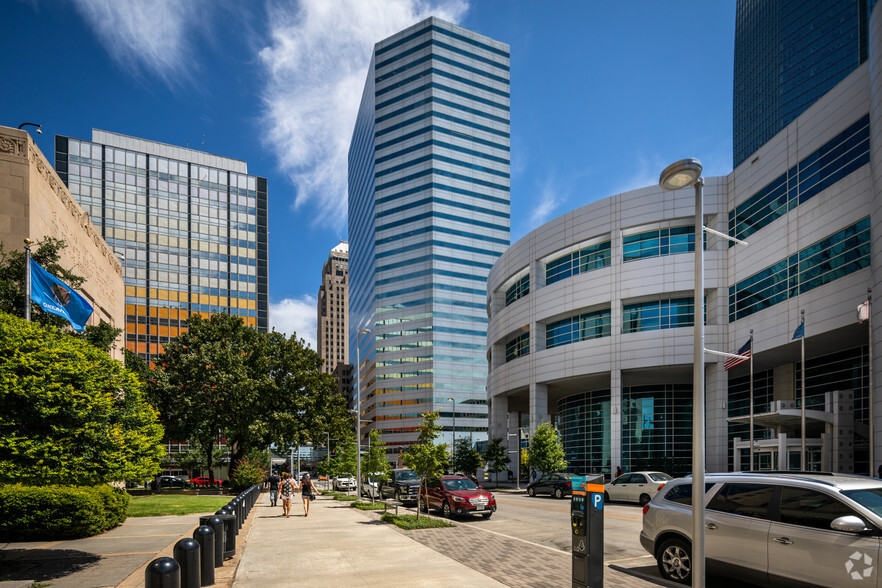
{"type": "Point", "coordinates": [863, 311]}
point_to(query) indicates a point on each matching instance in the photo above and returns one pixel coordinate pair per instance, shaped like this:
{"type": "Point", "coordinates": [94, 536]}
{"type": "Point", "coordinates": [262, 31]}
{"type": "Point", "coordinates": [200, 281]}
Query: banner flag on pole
{"type": "Point", "coordinates": [744, 350]}
{"type": "Point", "coordinates": [799, 333]}
{"type": "Point", "coordinates": [863, 311]}
{"type": "Point", "coordinates": [56, 297]}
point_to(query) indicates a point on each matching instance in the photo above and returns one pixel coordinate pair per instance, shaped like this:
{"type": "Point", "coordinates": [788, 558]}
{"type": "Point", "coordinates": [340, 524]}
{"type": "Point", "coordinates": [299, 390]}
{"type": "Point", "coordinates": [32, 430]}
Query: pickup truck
{"type": "Point", "coordinates": [344, 482]}
{"type": "Point", "coordinates": [403, 485]}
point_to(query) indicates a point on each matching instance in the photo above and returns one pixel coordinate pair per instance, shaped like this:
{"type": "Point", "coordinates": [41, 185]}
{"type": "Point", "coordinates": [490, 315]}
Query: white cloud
{"type": "Point", "coordinates": [155, 35]}
{"type": "Point", "coordinates": [295, 316]}
{"type": "Point", "coordinates": [550, 198]}
{"type": "Point", "coordinates": [315, 65]}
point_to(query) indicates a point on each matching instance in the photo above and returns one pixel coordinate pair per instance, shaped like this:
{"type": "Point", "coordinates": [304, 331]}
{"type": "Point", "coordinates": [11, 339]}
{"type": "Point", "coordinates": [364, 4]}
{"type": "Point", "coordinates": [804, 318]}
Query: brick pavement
{"type": "Point", "coordinates": [515, 562]}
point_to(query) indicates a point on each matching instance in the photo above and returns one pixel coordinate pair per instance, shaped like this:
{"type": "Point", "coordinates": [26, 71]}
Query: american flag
{"type": "Point", "coordinates": [733, 361]}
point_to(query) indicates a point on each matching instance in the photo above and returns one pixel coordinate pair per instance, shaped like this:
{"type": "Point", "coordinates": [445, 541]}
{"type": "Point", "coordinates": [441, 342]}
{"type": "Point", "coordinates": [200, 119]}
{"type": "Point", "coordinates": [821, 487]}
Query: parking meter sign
{"type": "Point", "coordinates": [597, 501]}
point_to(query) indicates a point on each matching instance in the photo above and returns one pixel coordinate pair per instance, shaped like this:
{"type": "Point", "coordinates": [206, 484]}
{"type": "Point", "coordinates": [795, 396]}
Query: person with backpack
{"type": "Point", "coordinates": [286, 490]}
{"type": "Point", "coordinates": [273, 481]}
{"type": "Point", "coordinates": [307, 491]}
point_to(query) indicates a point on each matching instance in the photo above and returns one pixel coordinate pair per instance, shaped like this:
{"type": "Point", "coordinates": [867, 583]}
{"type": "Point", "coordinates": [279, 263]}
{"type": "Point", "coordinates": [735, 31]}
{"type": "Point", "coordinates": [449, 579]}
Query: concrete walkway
{"type": "Point", "coordinates": [338, 545]}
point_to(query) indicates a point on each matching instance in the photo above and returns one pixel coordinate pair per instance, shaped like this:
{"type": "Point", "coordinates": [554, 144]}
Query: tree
{"type": "Point", "coordinates": [374, 463]}
{"type": "Point", "coordinates": [496, 456]}
{"type": "Point", "coordinates": [546, 451]}
{"type": "Point", "coordinates": [467, 459]}
{"type": "Point", "coordinates": [426, 458]}
{"type": "Point", "coordinates": [69, 414]}
{"type": "Point", "coordinates": [47, 253]}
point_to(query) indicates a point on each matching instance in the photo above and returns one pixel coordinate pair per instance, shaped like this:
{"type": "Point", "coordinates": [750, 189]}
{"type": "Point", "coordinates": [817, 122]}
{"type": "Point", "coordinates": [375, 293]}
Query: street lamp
{"type": "Point", "coordinates": [327, 460]}
{"type": "Point", "coordinates": [39, 126]}
{"type": "Point", "coordinates": [682, 174]}
{"type": "Point", "coordinates": [518, 458]}
{"type": "Point", "coordinates": [453, 404]}
{"type": "Point", "coordinates": [358, 411]}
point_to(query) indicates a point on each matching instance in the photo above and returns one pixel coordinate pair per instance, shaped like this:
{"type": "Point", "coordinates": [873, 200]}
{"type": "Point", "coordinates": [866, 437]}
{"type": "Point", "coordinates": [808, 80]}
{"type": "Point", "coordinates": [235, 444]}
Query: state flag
{"type": "Point", "coordinates": [56, 297]}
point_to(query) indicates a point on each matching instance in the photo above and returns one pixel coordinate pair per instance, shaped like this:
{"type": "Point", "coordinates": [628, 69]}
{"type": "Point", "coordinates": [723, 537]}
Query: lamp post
{"type": "Point", "coordinates": [358, 411]}
{"type": "Point", "coordinates": [682, 174]}
{"type": "Point", "coordinates": [39, 126]}
{"type": "Point", "coordinates": [327, 460]}
{"type": "Point", "coordinates": [518, 459]}
{"type": "Point", "coordinates": [453, 404]}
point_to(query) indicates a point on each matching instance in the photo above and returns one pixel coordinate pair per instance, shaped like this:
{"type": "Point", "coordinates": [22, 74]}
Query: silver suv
{"type": "Point", "coordinates": [779, 529]}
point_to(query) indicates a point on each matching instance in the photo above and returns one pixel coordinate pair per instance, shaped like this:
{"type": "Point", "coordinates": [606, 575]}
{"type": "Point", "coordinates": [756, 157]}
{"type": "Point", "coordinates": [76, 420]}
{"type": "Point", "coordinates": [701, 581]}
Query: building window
{"type": "Point", "coordinates": [657, 428]}
{"type": "Point", "coordinates": [585, 431]}
{"type": "Point", "coordinates": [518, 290]}
{"type": "Point", "coordinates": [517, 347]}
{"type": "Point", "coordinates": [591, 325]}
{"type": "Point", "coordinates": [658, 243]}
{"type": "Point", "coordinates": [840, 156]}
{"type": "Point", "coordinates": [577, 262]}
{"type": "Point", "coordinates": [658, 314]}
{"type": "Point", "coordinates": [836, 256]}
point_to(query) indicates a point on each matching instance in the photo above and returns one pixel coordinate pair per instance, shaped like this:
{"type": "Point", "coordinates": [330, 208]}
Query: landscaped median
{"type": "Point", "coordinates": [410, 522]}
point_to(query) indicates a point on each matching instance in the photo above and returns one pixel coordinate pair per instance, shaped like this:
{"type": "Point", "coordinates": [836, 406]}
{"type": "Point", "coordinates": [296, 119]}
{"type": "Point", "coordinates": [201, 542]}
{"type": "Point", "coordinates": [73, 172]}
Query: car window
{"type": "Point", "coordinates": [682, 493]}
{"type": "Point", "coordinates": [638, 479]}
{"type": "Point", "coordinates": [659, 477]}
{"type": "Point", "coordinates": [810, 508]}
{"type": "Point", "coordinates": [870, 498]}
{"type": "Point", "coordinates": [459, 484]}
{"type": "Point", "coordinates": [749, 500]}
{"type": "Point", "coordinates": [406, 476]}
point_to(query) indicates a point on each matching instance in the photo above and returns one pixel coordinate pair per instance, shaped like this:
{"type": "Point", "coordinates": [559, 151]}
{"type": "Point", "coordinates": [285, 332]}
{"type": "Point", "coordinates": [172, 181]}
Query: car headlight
{"type": "Point", "coordinates": [459, 499]}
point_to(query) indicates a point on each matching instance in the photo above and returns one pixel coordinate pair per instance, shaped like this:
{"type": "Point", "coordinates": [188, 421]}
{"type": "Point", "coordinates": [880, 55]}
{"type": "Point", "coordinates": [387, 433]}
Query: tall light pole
{"type": "Point", "coordinates": [682, 174]}
{"type": "Point", "coordinates": [453, 404]}
{"type": "Point", "coordinates": [358, 412]}
{"type": "Point", "coordinates": [518, 458]}
{"type": "Point", "coordinates": [327, 460]}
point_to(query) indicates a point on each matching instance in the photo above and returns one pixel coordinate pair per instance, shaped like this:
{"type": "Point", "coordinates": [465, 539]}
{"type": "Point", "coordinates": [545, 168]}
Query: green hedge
{"type": "Point", "coordinates": [30, 513]}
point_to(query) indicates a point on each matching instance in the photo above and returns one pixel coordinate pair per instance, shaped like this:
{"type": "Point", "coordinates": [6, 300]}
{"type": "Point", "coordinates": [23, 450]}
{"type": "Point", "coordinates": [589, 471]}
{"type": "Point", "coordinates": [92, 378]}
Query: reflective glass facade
{"type": "Point", "coordinates": [584, 260]}
{"type": "Point", "coordinates": [590, 325]}
{"type": "Point", "coordinates": [658, 243]}
{"type": "Point", "coordinates": [584, 424]}
{"type": "Point", "coordinates": [668, 313]}
{"type": "Point", "coordinates": [191, 227]}
{"type": "Point", "coordinates": [428, 216]}
{"type": "Point", "coordinates": [789, 53]}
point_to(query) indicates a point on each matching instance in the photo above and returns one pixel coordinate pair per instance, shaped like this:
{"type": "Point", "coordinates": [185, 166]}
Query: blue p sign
{"type": "Point", "coordinates": [597, 501]}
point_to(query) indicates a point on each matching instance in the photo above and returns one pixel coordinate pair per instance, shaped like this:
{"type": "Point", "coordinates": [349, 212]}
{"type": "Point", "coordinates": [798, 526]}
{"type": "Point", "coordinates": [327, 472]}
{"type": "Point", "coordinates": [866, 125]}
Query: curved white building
{"type": "Point", "coordinates": [591, 314]}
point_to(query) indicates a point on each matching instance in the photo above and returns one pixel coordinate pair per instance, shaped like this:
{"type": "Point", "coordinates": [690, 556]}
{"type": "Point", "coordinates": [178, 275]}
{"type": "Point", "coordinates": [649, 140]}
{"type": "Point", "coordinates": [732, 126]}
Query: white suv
{"type": "Point", "coordinates": [778, 529]}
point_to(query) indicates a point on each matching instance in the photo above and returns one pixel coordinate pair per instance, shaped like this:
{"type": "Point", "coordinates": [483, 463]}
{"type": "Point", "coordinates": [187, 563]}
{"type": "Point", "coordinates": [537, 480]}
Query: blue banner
{"type": "Point", "coordinates": [56, 297]}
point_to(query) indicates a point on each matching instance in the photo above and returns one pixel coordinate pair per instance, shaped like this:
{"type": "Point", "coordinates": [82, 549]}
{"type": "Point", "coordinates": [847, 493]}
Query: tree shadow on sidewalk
{"type": "Point", "coordinates": [41, 565]}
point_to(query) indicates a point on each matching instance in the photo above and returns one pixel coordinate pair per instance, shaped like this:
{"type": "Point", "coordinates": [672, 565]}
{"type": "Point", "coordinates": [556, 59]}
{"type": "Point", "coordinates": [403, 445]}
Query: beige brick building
{"type": "Point", "coordinates": [34, 203]}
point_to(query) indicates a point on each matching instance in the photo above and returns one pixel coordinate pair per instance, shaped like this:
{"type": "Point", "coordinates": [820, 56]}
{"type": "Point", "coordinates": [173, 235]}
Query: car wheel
{"type": "Point", "coordinates": [423, 506]}
{"type": "Point", "coordinates": [644, 498]}
{"type": "Point", "coordinates": [558, 493]}
{"type": "Point", "coordinates": [675, 560]}
{"type": "Point", "coordinates": [445, 510]}
{"type": "Point", "coordinates": [531, 491]}
{"type": "Point", "coordinates": [487, 515]}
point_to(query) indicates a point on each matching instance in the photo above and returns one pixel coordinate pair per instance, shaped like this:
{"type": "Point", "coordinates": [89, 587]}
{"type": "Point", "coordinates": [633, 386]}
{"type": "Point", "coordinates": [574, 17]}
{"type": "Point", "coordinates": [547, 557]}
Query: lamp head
{"type": "Point", "coordinates": [681, 174]}
{"type": "Point", "coordinates": [39, 131]}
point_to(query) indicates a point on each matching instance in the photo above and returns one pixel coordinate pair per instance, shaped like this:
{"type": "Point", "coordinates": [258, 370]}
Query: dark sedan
{"type": "Point", "coordinates": [170, 482]}
{"type": "Point", "coordinates": [557, 485]}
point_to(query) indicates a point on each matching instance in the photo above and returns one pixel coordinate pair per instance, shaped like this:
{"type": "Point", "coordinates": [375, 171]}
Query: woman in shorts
{"type": "Point", "coordinates": [286, 491]}
{"type": "Point", "coordinates": [307, 490]}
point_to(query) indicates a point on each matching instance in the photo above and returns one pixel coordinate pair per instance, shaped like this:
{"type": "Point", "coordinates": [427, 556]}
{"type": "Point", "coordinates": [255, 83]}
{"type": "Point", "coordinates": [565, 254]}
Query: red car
{"type": "Point", "coordinates": [457, 495]}
{"type": "Point", "coordinates": [201, 481]}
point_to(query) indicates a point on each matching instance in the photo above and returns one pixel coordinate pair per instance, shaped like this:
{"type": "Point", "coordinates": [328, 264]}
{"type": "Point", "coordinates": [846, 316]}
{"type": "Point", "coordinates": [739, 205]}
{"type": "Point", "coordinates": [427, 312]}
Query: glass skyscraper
{"type": "Point", "coordinates": [428, 216]}
{"type": "Point", "coordinates": [789, 53]}
{"type": "Point", "coordinates": [190, 226]}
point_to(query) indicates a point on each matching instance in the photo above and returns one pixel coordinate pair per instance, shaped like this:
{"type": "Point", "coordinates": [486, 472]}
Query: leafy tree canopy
{"type": "Point", "coordinates": [546, 451]}
{"type": "Point", "coordinates": [496, 456]}
{"type": "Point", "coordinates": [426, 458]}
{"type": "Point", "coordinates": [466, 458]}
{"type": "Point", "coordinates": [69, 414]}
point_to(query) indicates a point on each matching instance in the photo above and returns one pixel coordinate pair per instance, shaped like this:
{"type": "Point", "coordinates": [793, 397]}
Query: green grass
{"type": "Point", "coordinates": [159, 505]}
{"type": "Point", "coordinates": [410, 522]}
{"type": "Point", "coordinates": [344, 498]}
{"type": "Point", "coordinates": [368, 506]}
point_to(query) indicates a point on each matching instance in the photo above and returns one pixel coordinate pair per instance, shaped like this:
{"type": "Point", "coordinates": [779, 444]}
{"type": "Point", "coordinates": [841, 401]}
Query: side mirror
{"type": "Point", "coordinates": [481, 487]}
{"type": "Point", "coordinates": [436, 489]}
{"type": "Point", "coordinates": [849, 524]}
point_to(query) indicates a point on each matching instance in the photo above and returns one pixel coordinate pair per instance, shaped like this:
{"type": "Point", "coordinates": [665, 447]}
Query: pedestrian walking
{"type": "Point", "coordinates": [619, 471]}
{"type": "Point", "coordinates": [307, 492]}
{"type": "Point", "coordinates": [274, 488]}
{"type": "Point", "coordinates": [286, 490]}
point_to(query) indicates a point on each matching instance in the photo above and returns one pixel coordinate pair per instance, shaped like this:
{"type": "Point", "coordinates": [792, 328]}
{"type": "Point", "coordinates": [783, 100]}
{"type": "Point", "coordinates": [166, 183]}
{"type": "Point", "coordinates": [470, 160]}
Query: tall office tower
{"type": "Point", "coordinates": [428, 216]}
{"type": "Point", "coordinates": [190, 227]}
{"type": "Point", "coordinates": [333, 310]}
{"type": "Point", "coordinates": [789, 53]}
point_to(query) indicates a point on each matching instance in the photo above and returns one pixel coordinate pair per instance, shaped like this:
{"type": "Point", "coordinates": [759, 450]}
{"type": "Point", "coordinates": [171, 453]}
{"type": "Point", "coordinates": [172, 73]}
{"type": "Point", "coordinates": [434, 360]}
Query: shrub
{"type": "Point", "coordinates": [248, 472]}
{"type": "Point", "coordinates": [410, 522]}
{"type": "Point", "coordinates": [59, 512]}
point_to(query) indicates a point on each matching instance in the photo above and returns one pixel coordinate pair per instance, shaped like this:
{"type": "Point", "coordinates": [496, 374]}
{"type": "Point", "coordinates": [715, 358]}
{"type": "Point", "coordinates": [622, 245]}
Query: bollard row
{"type": "Point", "coordinates": [213, 541]}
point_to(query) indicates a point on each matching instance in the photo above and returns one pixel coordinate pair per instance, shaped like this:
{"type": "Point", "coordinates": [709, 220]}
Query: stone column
{"type": "Point", "coordinates": [615, 420]}
{"type": "Point", "coordinates": [538, 405]}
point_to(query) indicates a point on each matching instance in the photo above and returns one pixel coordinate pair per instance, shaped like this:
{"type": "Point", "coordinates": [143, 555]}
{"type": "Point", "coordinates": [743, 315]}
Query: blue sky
{"type": "Point", "coordinates": [604, 95]}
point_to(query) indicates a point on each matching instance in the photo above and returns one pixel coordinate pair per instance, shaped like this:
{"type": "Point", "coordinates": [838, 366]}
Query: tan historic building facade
{"type": "Point", "coordinates": [34, 203]}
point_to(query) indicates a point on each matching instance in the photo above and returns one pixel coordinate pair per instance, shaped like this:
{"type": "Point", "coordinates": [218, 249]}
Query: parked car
{"type": "Point", "coordinates": [370, 486]}
{"type": "Point", "coordinates": [457, 495]}
{"type": "Point", "coordinates": [344, 482]}
{"type": "Point", "coordinates": [635, 487]}
{"type": "Point", "coordinates": [203, 482]}
{"type": "Point", "coordinates": [403, 485]}
{"type": "Point", "coordinates": [169, 482]}
{"type": "Point", "coordinates": [557, 485]}
{"type": "Point", "coordinates": [773, 529]}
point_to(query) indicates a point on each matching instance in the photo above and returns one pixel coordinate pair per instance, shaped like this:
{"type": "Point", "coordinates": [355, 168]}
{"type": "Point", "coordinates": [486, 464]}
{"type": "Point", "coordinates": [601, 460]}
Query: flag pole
{"type": "Point", "coordinates": [751, 401]}
{"type": "Point", "coordinates": [802, 403]}
{"type": "Point", "coordinates": [28, 279]}
{"type": "Point", "coordinates": [870, 373]}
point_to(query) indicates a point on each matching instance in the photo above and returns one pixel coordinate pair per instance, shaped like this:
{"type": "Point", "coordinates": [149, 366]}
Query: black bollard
{"type": "Point", "coordinates": [187, 554]}
{"type": "Point", "coordinates": [204, 535]}
{"type": "Point", "coordinates": [217, 525]}
{"type": "Point", "coordinates": [162, 572]}
{"type": "Point", "coordinates": [231, 510]}
{"type": "Point", "coordinates": [229, 532]}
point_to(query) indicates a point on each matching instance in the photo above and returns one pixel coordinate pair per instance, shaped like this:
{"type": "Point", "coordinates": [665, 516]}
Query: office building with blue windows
{"type": "Point", "coordinates": [591, 315]}
{"type": "Point", "coordinates": [789, 53]}
{"type": "Point", "coordinates": [428, 216]}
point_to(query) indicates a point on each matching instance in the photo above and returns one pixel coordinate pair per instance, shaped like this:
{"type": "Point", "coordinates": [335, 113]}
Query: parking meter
{"type": "Point", "coordinates": [586, 516]}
